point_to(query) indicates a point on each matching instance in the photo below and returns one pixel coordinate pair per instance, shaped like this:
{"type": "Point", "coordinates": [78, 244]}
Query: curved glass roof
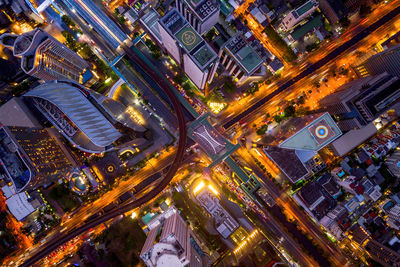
{"type": "Point", "coordinates": [77, 107]}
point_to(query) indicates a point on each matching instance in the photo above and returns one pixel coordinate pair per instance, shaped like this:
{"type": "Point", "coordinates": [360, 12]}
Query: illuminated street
{"type": "Point", "coordinates": [178, 133]}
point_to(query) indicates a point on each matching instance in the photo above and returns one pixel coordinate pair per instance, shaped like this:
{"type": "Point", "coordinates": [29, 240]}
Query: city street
{"type": "Point", "coordinates": [313, 79]}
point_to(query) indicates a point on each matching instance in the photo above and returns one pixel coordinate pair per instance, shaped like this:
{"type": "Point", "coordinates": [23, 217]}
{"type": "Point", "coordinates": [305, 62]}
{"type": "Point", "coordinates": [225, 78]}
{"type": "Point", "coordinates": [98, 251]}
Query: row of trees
{"type": "Point", "coordinates": [280, 44]}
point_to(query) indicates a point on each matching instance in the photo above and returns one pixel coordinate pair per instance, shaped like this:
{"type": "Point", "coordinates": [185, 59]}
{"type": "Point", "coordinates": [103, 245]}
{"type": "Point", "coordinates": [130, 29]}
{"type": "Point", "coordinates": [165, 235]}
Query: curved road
{"type": "Point", "coordinates": [52, 245]}
{"type": "Point", "coordinates": [314, 67]}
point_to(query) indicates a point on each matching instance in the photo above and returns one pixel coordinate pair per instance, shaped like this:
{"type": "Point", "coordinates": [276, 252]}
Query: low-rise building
{"type": "Point", "coordinates": [298, 14]}
{"type": "Point", "coordinates": [313, 25]}
{"type": "Point", "coordinates": [22, 205]}
{"type": "Point", "coordinates": [314, 198]}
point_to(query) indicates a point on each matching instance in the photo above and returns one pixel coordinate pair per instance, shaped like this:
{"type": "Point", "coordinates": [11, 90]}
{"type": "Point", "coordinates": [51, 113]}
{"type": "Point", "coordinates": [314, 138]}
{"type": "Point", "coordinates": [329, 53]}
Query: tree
{"type": "Point", "coordinates": [121, 19]}
{"type": "Point", "coordinates": [301, 100]}
{"type": "Point", "coordinates": [229, 86]}
{"type": "Point", "coordinates": [188, 89]}
{"type": "Point", "coordinates": [289, 111]}
{"type": "Point", "coordinates": [278, 118]}
{"type": "Point", "coordinates": [86, 51]}
{"type": "Point", "coordinates": [210, 35]}
{"type": "Point", "coordinates": [178, 78]}
{"type": "Point", "coordinates": [70, 41]}
{"type": "Point", "coordinates": [312, 47]}
{"type": "Point", "coordinates": [365, 10]}
{"type": "Point", "coordinates": [68, 21]}
{"type": "Point", "coordinates": [277, 40]}
{"type": "Point", "coordinates": [344, 22]}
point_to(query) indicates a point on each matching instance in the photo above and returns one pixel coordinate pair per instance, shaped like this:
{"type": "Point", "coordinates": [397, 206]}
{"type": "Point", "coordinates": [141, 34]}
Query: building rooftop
{"type": "Point", "coordinates": [202, 8]}
{"type": "Point", "coordinates": [320, 131]}
{"type": "Point", "coordinates": [288, 161]}
{"type": "Point", "coordinates": [77, 107]}
{"type": "Point", "coordinates": [204, 55]}
{"type": "Point", "coordinates": [19, 206]}
{"type": "Point", "coordinates": [245, 55]}
{"type": "Point", "coordinates": [249, 59]}
{"type": "Point", "coordinates": [316, 199]}
{"type": "Point", "coordinates": [304, 8]}
{"type": "Point", "coordinates": [188, 37]}
{"type": "Point", "coordinates": [15, 113]}
{"type": "Point", "coordinates": [300, 31]}
{"type": "Point", "coordinates": [225, 224]}
{"type": "Point", "coordinates": [194, 45]}
{"type": "Point", "coordinates": [151, 21]}
{"type": "Point", "coordinates": [352, 139]}
{"type": "Point", "coordinates": [14, 166]}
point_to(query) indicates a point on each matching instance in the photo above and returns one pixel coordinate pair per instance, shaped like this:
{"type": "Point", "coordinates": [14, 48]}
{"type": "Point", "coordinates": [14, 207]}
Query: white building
{"type": "Point", "coordinates": [225, 224]}
{"type": "Point", "coordinates": [44, 57]}
{"type": "Point", "coordinates": [298, 14]}
{"type": "Point", "coordinates": [201, 14]}
{"type": "Point", "coordinates": [20, 205]}
{"type": "Point", "coordinates": [394, 217]}
{"type": "Point", "coordinates": [188, 48]}
{"type": "Point", "coordinates": [171, 242]}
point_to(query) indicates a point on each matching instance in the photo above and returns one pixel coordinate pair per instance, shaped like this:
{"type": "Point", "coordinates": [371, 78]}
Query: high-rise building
{"type": "Point", "coordinates": [360, 102]}
{"type": "Point", "coordinates": [91, 122]}
{"type": "Point", "coordinates": [239, 59]}
{"type": "Point", "coordinates": [386, 61]}
{"type": "Point", "coordinates": [102, 24]}
{"type": "Point", "coordinates": [201, 14]}
{"type": "Point", "coordinates": [224, 222]}
{"type": "Point", "coordinates": [171, 242]}
{"type": "Point", "coordinates": [188, 48]}
{"type": "Point", "coordinates": [44, 57]}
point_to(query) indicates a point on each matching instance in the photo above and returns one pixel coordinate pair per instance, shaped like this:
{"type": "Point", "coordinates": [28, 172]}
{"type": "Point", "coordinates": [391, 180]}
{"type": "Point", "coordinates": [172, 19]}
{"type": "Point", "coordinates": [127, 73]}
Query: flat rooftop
{"type": "Point", "coordinates": [15, 113]}
{"type": "Point", "coordinates": [204, 55]}
{"type": "Point", "coordinates": [311, 132]}
{"type": "Point", "coordinates": [243, 53]}
{"type": "Point", "coordinates": [188, 37]}
{"type": "Point", "coordinates": [302, 30]}
{"type": "Point", "coordinates": [151, 21]}
{"type": "Point", "coordinates": [314, 136]}
{"type": "Point", "coordinates": [194, 45]}
{"type": "Point", "coordinates": [304, 8]}
{"type": "Point", "coordinates": [202, 8]}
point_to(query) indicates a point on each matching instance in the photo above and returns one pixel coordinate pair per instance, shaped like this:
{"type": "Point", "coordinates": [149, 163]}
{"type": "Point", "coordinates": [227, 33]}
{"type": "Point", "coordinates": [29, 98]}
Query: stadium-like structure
{"type": "Point", "coordinates": [90, 121]}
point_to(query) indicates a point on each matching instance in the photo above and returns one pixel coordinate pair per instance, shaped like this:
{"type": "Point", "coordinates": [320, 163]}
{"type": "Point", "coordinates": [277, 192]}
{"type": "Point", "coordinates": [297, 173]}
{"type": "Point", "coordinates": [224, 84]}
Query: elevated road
{"type": "Point", "coordinates": [63, 238]}
{"type": "Point", "coordinates": [312, 68]}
